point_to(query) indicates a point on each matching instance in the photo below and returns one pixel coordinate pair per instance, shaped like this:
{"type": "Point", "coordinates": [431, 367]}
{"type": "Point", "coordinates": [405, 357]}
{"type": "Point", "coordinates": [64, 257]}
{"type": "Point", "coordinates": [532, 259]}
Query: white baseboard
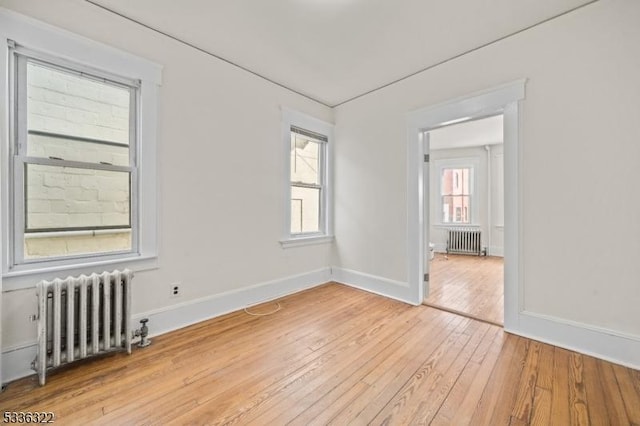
{"type": "Point", "coordinates": [374, 284]}
{"type": "Point", "coordinates": [610, 345]}
{"type": "Point", "coordinates": [181, 315]}
{"type": "Point", "coordinates": [496, 251]}
{"type": "Point", "coordinates": [440, 248]}
{"type": "Point", "coordinates": [16, 361]}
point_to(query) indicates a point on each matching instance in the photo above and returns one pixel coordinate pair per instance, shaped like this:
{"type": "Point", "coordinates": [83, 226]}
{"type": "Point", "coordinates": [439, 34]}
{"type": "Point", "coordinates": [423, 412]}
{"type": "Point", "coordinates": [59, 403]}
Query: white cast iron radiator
{"type": "Point", "coordinates": [83, 316]}
{"type": "Point", "coordinates": [464, 241]}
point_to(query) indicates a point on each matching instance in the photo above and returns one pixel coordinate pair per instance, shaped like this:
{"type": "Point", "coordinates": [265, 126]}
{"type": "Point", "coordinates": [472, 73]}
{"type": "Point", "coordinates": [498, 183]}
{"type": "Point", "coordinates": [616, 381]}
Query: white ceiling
{"type": "Point", "coordinates": [487, 131]}
{"type": "Point", "coordinates": [334, 50]}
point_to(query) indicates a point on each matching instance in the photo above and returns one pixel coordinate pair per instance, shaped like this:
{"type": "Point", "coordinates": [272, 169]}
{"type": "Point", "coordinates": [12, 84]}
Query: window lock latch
{"type": "Point", "coordinates": [56, 158]}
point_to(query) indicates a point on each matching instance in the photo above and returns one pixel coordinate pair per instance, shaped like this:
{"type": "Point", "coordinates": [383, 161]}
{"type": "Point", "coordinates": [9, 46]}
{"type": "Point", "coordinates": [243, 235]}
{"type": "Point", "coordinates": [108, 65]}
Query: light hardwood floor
{"type": "Point", "coordinates": [336, 355]}
{"type": "Point", "coordinates": [472, 285]}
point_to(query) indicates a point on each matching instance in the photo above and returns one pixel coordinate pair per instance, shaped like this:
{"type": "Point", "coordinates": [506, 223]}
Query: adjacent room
{"type": "Point", "coordinates": [466, 219]}
{"type": "Point", "coordinates": [320, 212]}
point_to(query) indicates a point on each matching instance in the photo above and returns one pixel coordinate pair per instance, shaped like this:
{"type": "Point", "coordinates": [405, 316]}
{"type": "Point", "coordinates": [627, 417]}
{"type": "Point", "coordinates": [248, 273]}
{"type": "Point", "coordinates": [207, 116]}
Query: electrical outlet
{"type": "Point", "coordinates": [174, 290]}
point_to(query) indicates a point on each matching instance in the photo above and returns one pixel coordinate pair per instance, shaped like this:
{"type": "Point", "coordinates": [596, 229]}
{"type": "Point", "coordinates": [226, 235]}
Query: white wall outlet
{"type": "Point", "coordinates": [174, 290]}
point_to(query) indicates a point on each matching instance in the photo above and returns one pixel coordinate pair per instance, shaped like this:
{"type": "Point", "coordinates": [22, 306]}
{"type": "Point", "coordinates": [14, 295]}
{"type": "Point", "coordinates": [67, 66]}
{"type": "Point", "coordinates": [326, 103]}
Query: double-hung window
{"type": "Point", "coordinates": [74, 162]}
{"type": "Point", "coordinates": [308, 150]}
{"type": "Point", "coordinates": [455, 193]}
{"type": "Point", "coordinates": [308, 191]}
{"type": "Point", "coordinates": [79, 156]}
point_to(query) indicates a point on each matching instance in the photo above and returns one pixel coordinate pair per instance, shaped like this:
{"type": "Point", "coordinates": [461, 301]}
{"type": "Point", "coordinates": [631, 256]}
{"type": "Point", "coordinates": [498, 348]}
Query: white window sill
{"type": "Point", "coordinates": [456, 225]}
{"type": "Point", "coordinates": [24, 278]}
{"type": "Point", "coordinates": [306, 241]}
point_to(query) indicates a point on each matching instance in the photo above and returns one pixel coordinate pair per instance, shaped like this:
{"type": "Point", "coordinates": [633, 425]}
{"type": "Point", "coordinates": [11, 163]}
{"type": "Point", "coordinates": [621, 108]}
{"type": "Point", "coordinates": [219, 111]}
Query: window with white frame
{"type": "Point", "coordinates": [307, 181]}
{"type": "Point", "coordinates": [72, 160]}
{"type": "Point", "coordinates": [74, 168]}
{"type": "Point", "coordinates": [455, 194]}
{"type": "Point", "coordinates": [308, 192]}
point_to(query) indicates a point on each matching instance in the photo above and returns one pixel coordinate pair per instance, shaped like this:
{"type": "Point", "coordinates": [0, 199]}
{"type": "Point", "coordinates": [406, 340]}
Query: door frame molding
{"type": "Point", "coordinates": [504, 99]}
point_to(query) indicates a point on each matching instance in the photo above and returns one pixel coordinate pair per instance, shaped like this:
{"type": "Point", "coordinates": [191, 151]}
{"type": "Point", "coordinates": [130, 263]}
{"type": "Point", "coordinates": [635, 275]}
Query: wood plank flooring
{"type": "Point", "coordinates": [337, 355]}
{"type": "Point", "coordinates": [471, 285]}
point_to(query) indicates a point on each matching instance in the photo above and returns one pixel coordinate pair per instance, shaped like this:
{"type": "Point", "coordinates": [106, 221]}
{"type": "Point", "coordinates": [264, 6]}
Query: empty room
{"type": "Point", "coordinates": [225, 212]}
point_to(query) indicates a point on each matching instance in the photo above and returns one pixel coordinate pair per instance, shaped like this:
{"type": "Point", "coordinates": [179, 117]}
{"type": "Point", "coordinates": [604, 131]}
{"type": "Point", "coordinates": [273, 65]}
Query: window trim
{"type": "Point", "coordinates": [292, 118]}
{"type": "Point", "coordinates": [45, 42]}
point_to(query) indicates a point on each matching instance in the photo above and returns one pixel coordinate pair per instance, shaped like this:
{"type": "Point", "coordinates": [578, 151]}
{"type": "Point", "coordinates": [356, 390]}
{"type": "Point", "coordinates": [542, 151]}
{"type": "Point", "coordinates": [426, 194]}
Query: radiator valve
{"type": "Point", "coordinates": [143, 332]}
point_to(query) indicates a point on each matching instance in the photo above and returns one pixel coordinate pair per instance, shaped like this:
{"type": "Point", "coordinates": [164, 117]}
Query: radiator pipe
{"type": "Point", "coordinates": [143, 332]}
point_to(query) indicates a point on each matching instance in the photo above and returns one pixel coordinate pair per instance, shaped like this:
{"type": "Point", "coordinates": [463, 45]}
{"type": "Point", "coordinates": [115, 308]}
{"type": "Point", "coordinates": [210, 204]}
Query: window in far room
{"type": "Point", "coordinates": [455, 192]}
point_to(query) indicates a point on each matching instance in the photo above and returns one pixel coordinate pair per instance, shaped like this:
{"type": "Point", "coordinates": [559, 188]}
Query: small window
{"type": "Point", "coordinates": [456, 195]}
{"type": "Point", "coordinates": [307, 189]}
{"type": "Point", "coordinates": [307, 182]}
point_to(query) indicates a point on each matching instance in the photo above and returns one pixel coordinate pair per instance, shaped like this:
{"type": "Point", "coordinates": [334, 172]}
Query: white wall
{"type": "Point", "coordinates": [580, 158]}
{"type": "Point", "coordinates": [219, 140]}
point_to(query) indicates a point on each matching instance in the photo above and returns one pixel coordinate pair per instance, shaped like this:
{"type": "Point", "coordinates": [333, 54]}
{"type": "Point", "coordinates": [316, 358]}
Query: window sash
{"type": "Point", "coordinates": [452, 217]}
{"type": "Point", "coordinates": [75, 165]}
{"type": "Point", "coordinates": [318, 176]}
{"type": "Point", "coordinates": [465, 192]}
{"type": "Point", "coordinates": [468, 186]}
{"type": "Point", "coordinates": [322, 141]}
{"type": "Point", "coordinates": [18, 150]}
{"type": "Point", "coordinates": [309, 134]}
{"type": "Point", "coordinates": [320, 210]}
{"type": "Point", "coordinates": [19, 208]}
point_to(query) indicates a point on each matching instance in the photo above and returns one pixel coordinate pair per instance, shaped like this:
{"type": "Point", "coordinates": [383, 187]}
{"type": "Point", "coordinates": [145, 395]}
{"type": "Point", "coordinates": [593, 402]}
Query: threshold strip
{"type": "Point", "coordinates": [462, 314]}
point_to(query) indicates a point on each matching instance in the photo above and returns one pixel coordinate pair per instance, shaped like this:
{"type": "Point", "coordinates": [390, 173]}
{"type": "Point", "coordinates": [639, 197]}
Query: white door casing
{"type": "Point", "coordinates": [505, 100]}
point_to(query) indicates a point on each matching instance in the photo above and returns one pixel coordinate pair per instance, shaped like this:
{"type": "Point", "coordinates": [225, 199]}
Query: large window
{"type": "Point", "coordinates": [308, 189]}
{"type": "Point", "coordinates": [74, 168]}
{"type": "Point", "coordinates": [455, 192]}
{"type": "Point", "coordinates": [82, 116]}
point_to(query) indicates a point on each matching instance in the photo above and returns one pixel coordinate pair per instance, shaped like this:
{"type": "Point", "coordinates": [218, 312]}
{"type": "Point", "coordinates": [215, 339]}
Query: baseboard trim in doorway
{"type": "Point", "coordinates": [462, 314]}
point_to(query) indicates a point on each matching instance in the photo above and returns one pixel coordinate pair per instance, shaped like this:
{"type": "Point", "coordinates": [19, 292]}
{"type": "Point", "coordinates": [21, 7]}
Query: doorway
{"type": "Point", "coordinates": [504, 99]}
{"type": "Point", "coordinates": [465, 218]}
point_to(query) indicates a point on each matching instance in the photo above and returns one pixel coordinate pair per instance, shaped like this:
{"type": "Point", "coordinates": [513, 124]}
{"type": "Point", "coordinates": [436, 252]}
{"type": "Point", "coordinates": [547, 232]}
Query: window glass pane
{"type": "Point", "coordinates": [305, 210]}
{"type": "Point", "coordinates": [43, 245]}
{"type": "Point", "coordinates": [456, 208]}
{"type": "Point", "coordinates": [456, 181]}
{"type": "Point", "coordinates": [62, 103]}
{"type": "Point", "coordinates": [305, 159]}
{"type": "Point", "coordinates": [67, 198]}
{"type": "Point", "coordinates": [456, 195]}
{"type": "Point", "coordinates": [41, 145]}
